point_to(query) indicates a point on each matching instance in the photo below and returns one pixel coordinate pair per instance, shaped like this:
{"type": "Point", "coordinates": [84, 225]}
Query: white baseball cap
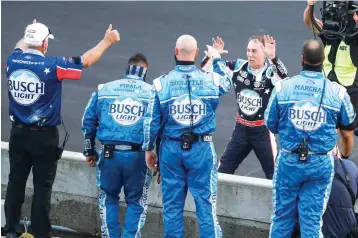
{"type": "Point", "coordinates": [36, 33]}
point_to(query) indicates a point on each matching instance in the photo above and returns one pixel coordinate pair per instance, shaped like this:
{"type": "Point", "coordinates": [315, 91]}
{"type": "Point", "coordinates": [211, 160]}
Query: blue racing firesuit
{"type": "Point", "coordinates": [307, 106]}
{"type": "Point", "coordinates": [170, 110]}
{"type": "Point", "coordinates": [114, 115]}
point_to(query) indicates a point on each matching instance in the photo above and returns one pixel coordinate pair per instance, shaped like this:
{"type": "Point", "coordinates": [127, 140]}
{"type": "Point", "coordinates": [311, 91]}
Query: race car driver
{"type": "Point", "coordinates": [183, 106]}
{"type": "Point", "coordinates": [114, 115]}
{"type": "Point", "coordinates": [304, 111]}
{"type": "Point", "coordinates": [253, 81]}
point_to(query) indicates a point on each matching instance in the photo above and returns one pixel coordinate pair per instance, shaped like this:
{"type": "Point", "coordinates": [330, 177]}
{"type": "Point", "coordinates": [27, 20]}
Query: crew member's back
{"type": "Point", "coordinates": [121, 105]}
{"type": "Point", "coordinates": [34, 79]}
{"type": "Point", "coordinates": [115, 115]}
{"type": "Point", "coordinates": [304, 96]}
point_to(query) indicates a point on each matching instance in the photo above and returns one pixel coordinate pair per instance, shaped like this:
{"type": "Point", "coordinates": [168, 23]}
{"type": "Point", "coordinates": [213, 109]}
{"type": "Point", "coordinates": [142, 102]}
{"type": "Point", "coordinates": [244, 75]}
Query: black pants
{"type": "Point", "coordinates": [242, 141]}
{"type": "Point", "coordinates": [36, 149]}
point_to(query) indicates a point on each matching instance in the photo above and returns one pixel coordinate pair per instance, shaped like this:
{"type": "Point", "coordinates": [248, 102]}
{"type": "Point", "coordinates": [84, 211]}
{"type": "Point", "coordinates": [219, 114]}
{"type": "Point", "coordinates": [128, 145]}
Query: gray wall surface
{"type": "Point", "coordinates": [243, 203]}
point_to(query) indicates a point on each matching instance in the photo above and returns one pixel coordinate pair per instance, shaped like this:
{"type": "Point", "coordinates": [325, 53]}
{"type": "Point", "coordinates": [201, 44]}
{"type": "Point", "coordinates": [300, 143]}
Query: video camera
{"type": "Point", "coordinates": [337, 18]}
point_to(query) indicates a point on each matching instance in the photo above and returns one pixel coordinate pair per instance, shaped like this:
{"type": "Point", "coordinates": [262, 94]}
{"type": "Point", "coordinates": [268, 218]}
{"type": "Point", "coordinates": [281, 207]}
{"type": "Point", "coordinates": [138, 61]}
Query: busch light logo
{"type": "Point", "coordinates": [181, 111]}
{"type": "Point", "coordinates": [249, 102]}
{"type": "Point", "coordinates": [304, 115]}
{"type": "Point", "coordinates": [25, 87]}
{"type": "Point", "coordinates": [127, 110]}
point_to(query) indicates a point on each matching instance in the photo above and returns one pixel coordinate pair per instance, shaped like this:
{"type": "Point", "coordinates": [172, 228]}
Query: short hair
{"type": "Point", "coordinates": [313, 52]}
{"type": "Point", "coordinates": [138, 58]}
{"type": "Point", "coordinates": [258, 38]}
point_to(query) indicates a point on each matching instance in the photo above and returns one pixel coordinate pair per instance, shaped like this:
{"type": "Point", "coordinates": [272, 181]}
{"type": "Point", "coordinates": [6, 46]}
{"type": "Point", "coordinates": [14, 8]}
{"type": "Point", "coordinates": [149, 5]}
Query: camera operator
{"type": "Point", "coordinates": [341, 56]}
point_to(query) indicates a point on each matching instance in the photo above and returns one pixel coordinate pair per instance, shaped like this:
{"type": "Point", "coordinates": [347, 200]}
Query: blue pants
{"type": "Point", "coordinates": [126, 169]}
{"type": "Point", "coordinates": [195, 169]}
{"type": "Point", "coordinates": [302, 187]}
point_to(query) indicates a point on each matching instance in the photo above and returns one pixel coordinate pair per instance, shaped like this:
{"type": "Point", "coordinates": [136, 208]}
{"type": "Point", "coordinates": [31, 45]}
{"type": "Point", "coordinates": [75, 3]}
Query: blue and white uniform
{"type": "Point", "coordinates": [172, 105]}
{"type": "Point", "coordinates": [114, 115]}
{"type": "Point", "coordinates": [296, 111]}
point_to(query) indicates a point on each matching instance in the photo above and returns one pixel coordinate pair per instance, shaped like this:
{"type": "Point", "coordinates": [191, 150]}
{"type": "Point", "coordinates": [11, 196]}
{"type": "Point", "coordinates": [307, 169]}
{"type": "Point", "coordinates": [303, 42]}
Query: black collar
{"type": "Point", "coordinates": [178, 62]}
{"type": "Point", "coordinates": [306, 67]}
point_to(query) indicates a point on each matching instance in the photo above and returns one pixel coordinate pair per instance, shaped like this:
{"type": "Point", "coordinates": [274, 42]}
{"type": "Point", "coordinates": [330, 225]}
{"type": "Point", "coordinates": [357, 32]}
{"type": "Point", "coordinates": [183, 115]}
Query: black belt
{"type": "Point", "coordinates": [309, 152]}
{"type": "Point", "coordinates": [33, 127]}
{"type": "Point", "coordinates": [122, 147]}
{"type": "Point", "coordinates": [195, 138]}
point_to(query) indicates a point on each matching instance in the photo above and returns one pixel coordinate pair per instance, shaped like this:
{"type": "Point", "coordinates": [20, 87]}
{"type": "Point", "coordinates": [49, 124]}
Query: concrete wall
{"type": "Point", "coordinates": [244, 203]}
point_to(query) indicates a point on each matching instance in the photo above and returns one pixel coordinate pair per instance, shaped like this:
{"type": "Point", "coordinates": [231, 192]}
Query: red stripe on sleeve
{"type": "Point", "coordinates": [71, 74]}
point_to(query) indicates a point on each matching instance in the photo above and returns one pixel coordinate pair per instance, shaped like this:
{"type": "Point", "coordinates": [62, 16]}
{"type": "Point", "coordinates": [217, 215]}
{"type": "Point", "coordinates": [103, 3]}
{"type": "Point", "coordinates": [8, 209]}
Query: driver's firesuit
{"type": "Point", "coordinates": [252, 90]}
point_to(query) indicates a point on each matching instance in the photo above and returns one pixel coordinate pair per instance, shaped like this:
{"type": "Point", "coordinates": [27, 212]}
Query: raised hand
{"type": "Point", "coordinates": [212, 52]}
{"type": "Point", "coordinates": [311, 2]}
{"type": "Point", "coordinates": [112, 36]}
{"type": "Point", "coordinates": [219, 45]}
{"type": "Point", "coordinates": [270, 47]}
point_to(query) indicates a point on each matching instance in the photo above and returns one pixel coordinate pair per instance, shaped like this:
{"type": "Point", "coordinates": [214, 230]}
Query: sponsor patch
{"type": "Point", "coordinates": [249, 102]}
{"type": "Point", "coordinates": [127, 110]}
{"type": "Point", "coordinates": [25, 87]}
{"type": "Point", "coordinates": [304, 115]}
{"type": "Point", "coordinates": [181, 110]}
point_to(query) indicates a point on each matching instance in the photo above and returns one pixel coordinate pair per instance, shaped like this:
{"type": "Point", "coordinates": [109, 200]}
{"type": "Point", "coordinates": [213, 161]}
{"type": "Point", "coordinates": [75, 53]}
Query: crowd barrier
{"type": "Point", "coordinates": [243, 203]}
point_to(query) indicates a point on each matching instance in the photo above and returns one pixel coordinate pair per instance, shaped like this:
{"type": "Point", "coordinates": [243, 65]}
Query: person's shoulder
{"type": "Point", "coordinates": [350, 165]}
{"type": "Point", "coordinates": [162, 80]}
{"type": "Point", "coordinates": [54, 61]}
{"type": "Point", "coordinates": [100, 86]}
{"type": "Point", "coordinates": [145, 85]}
{"type": "Point", "coordinates": [14, 54]}
{"type": "Point", "coordinates": [337, 89]}
{"type": "Point", "coordinates": [348, 162]}
{"type": "Point", "coordinates": [240, 61]}
{"type": "Point", "coordinates": [16, 51]}
{"type": "Point", "coordinates": [62, 61]}
{"type": "Point", "coordinates": [109, 84]}
{"type": "Point", "coordinates": [286, 83]}
{"type": "Point", "coordinates": [291, 80]}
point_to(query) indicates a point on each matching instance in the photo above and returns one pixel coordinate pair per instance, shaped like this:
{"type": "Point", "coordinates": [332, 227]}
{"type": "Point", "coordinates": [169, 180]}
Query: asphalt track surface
{"type": "Point", "coordinates": [151, 28]}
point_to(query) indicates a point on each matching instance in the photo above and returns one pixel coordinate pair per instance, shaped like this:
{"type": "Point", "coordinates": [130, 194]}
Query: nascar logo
{"type": "Point", "coordinates": [127, 110]}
